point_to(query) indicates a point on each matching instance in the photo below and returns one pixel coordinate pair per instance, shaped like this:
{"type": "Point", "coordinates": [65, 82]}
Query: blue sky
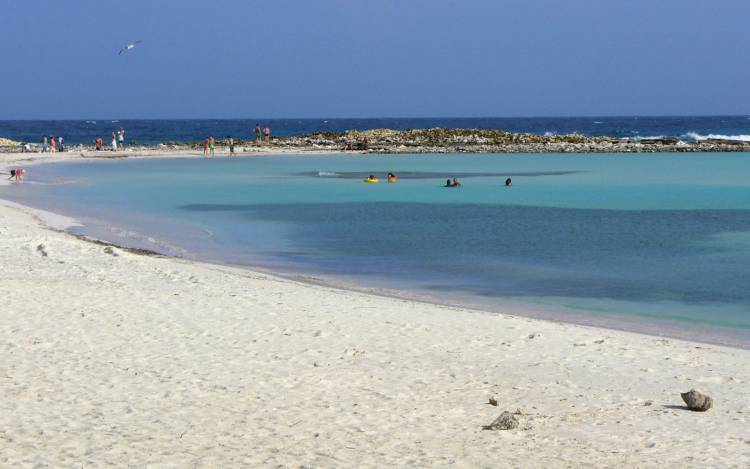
{"type": "Point", "coordinates": [368, 58]}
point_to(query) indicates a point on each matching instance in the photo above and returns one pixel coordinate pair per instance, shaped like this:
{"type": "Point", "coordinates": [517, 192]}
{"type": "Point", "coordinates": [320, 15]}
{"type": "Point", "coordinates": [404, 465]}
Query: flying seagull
{"type": "Point", "coordinates": [129, 46]}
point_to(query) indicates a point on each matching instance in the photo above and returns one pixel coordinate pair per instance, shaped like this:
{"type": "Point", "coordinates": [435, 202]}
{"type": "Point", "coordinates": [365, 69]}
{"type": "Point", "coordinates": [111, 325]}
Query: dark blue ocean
{"type": "Point", "coordinates": [142, 131]}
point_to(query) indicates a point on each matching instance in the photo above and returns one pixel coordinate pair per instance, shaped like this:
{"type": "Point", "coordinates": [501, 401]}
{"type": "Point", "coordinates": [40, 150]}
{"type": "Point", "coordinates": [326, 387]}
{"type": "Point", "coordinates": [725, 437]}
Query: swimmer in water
{"type": "Point", "coordinates": [508, 182]}
{"type": "Point", "coordinates": [452, 183]}
{"type": "Point", "coordinates": [392, 178]}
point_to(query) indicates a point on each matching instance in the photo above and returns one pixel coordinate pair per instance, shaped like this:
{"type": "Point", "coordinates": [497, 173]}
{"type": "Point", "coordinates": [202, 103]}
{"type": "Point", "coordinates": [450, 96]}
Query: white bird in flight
{"type": "Point", "coordinates": [129, 46]}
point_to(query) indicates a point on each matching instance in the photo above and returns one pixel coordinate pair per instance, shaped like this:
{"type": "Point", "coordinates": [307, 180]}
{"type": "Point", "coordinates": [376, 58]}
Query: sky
{"type": "Point", "coordinates": [373, 58]}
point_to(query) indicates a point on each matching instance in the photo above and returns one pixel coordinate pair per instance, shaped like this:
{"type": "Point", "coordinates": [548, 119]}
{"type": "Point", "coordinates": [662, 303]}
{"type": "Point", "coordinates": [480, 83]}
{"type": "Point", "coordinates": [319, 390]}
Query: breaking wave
{"type": "Point", "coordinates": [698, 137]}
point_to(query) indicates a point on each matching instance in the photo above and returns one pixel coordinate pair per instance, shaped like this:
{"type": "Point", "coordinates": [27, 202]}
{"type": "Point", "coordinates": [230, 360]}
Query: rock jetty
{"type": "Point", "coordinates": [4, 142]}
{"type": "Point", "coordinates": [440, 140]}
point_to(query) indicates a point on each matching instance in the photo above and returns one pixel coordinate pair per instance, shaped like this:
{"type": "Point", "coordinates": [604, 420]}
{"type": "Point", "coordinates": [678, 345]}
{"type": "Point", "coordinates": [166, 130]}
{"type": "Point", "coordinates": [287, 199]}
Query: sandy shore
{"type": "Point", "coordinates": [116, 358]}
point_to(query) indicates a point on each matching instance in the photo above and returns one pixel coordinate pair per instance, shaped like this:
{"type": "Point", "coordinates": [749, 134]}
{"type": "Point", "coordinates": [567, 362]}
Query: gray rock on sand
{"type": "Point", "coordinates": [42, 250]}
{"type": "Point", "coordinates": [506, 421]}
{"type": "Point", "coordinates": [697, 401]}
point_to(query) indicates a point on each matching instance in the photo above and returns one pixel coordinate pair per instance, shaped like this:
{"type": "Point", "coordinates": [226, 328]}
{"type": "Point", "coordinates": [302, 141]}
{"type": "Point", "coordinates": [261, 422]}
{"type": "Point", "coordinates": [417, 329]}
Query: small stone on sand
{"type": "Point", "coordinates": [697, 401]}
{"type": "Point", "coordinates": [506, 421]}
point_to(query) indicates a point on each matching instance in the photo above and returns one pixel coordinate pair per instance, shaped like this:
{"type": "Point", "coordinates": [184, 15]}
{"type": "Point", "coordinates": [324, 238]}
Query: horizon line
{"type": "Point", "coordinates": [592, 116]}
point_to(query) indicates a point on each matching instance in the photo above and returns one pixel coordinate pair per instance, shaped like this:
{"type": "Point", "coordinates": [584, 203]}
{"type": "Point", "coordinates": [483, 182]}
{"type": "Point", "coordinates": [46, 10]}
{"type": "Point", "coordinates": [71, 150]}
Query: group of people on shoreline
{"type": "Point", "coordinates": [209, 143]}
{"type": "Point", "coordinates": [52, 144]}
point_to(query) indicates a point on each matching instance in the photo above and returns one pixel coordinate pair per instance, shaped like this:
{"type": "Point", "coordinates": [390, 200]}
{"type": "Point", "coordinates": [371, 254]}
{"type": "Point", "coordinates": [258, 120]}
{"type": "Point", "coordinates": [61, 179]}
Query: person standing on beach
{"type": "Point", "coordinates": [257, 134]}
{"type": "Point", "coordinates": [60, 147]}
{"type": "Point", "coordinates": [121, 138]}
{"type": "Point", "coordinates": [230, 142]}
{"type": "Point", "coordinates": [211, 145]}
{"type": "Point", "coordinates": [52, 144]}
{"type": "Point", "coordinates": [45, 144]}
{"type": "Point", "coordinates": [267, 132]}
{"type": "Point", "coordinates": [114, 142]}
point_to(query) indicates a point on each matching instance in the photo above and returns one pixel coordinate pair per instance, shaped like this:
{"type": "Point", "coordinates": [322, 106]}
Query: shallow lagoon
{"type": "Point", "coordinates": [658, 240]}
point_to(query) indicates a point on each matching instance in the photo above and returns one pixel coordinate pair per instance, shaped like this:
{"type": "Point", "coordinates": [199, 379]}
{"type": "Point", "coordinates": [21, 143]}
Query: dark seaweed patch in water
{"type": "Point", "coordinates": [429, 175]}
{"type": "Point", "coordinates": [493, 251]}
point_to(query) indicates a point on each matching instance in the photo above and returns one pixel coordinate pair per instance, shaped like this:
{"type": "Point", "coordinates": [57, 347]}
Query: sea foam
{"type": "Point", "coordinates": [698, 137]}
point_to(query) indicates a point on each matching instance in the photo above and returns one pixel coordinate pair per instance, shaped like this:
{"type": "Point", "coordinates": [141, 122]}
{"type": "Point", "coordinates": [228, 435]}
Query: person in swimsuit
{"type": "Point", "coordinates": [257, 134]}
{"type": "Point", "coordinates": [230, 142]}
{"type": "Point", "coordinates": [392, 178]}
{"type": "Point", "coordinates": [16, 173]}
{"type": "Point", "coordinates": [508, 182]}
{"type": "Point", "coordinates": [205, 147]}
{"type": "Point", "coordinates": [267, 132]}
{"type": "Point", "coordinates": [211, 145]}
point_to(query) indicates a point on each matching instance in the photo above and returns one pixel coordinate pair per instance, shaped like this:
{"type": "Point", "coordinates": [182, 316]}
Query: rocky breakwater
{"type": "Point", "coordinates": [439, 140]}
{"type": "Point", "coordinates": [10, 144]}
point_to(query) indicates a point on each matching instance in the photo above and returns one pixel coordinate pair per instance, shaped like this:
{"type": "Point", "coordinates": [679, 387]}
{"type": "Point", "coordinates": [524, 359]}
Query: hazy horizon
{"type": "Point", "coordinates": [377, 117]}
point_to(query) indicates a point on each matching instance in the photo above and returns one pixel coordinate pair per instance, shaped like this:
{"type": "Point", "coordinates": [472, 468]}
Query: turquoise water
{"type": "Point", "coordinates": [662, 240]}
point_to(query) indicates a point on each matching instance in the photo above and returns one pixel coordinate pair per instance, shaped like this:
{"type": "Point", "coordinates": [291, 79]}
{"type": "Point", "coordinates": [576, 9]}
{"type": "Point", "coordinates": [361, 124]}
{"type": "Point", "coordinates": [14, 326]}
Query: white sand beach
{"type": "Point", "coordinates": [113, 358]}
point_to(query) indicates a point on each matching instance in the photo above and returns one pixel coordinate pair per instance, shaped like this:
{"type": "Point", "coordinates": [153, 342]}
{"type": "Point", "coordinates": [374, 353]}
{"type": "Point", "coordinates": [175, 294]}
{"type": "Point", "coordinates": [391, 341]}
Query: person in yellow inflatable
{"type": "Point", "coordinates": [372, 178]}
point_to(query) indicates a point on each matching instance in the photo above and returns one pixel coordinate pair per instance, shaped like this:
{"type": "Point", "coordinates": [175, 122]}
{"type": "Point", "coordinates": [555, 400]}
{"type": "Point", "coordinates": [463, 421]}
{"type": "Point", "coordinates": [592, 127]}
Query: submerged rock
{"type": "Point", "coordinates": [697, 401]}
{"type": "Point", "coordinates": [506, 421]}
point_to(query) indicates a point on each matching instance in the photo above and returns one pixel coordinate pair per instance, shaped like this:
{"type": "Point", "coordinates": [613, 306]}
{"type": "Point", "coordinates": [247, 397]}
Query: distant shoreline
{"type": "Point", "coordinates": [434, 140]}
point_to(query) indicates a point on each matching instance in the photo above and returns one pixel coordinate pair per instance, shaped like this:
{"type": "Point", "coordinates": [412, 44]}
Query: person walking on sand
{"type": "Point", "coordinates": [52, 144]}
{"type": "Point", "coordinates": [114, 142]}
{"type": "Point", "coordinates": [267, 132]}
{"type": "Point", "coordinates": [230, 142]}
{"type": "Point", "coordinates": [257, 134]}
